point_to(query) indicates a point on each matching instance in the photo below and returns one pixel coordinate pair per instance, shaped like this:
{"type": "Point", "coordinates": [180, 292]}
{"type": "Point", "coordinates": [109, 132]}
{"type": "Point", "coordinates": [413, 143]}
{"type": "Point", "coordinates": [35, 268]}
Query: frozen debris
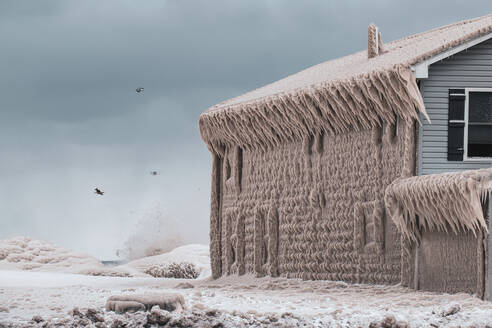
{"type": "Point", "coordinates": [158, 316]}
{"type": "Point", "coordinates": [389, 322]}
{"type": "Point", "coordinates": [4, 309]}
{"type": "Point", "coordinates": [184, 285]}
{"type": "Point", "coordinates": [75, 312]}
{"type": "Point", "coordinates": [402, 324]}
{"type": "Point", "coordinates": [124, 306]}
{"type": "Point", "coordinates": [212, 312]}
{"type": "Point", "coordinates": [94, 315]}
{"type": "Point", "coordinates": [142, 302]}
{"type": "Point", "coordinates": [453, 309]}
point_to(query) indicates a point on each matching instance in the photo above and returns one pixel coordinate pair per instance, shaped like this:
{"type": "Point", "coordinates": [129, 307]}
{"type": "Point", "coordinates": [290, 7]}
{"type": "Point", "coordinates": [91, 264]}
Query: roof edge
{"type": "Point", "coordinates": [421, 68]}
{"type": "Point", "coordinates": [358, 103]}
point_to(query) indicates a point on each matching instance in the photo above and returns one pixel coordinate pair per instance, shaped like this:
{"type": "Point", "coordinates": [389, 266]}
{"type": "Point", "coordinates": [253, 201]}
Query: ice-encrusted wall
{"type": "Point", "coordinates": [311, 209]}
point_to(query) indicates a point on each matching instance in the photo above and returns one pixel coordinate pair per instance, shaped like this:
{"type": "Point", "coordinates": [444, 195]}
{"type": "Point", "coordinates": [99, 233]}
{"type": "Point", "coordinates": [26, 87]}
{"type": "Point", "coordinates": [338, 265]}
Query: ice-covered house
{"type": "Point", "coordinates": [340, 171]}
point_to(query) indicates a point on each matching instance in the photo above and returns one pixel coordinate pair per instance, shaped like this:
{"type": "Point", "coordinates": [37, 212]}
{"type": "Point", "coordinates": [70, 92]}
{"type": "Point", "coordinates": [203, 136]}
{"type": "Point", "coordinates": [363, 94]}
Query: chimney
{"type": "Point", "coordinates": [374, 43]}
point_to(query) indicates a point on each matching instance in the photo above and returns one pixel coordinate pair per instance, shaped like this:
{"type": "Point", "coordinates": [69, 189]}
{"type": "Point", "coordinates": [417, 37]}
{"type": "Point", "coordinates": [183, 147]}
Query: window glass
{"type": "Point", "coordinates": [480, 124]}
{"type": "Point", "coordinates": [480, 107]}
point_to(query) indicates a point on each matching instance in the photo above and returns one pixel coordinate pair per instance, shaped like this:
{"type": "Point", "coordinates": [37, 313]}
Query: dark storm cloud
{"type": "Point", "coordinates": [70, 118]}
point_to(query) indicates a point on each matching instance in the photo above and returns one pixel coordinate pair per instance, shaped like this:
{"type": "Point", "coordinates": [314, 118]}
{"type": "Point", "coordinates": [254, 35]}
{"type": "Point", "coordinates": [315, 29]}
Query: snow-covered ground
{"type": "Point", "coordinates": [41, 279]}
{"type": "Point", "coordinates": [317, 303]}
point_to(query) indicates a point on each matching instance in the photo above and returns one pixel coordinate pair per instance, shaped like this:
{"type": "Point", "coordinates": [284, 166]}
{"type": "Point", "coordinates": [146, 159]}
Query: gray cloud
{"type": "Point", "coordinates": [70, 119]}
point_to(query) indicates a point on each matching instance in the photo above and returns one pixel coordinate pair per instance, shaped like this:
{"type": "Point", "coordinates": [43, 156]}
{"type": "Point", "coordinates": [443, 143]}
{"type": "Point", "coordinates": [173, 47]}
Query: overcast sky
{"type": "Point", "coordinates": [70, 119]}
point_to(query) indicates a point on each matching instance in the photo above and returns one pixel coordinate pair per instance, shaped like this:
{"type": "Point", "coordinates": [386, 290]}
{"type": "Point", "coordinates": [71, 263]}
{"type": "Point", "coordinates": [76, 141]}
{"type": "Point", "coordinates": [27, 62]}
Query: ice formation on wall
{"type": "Point", "coordinates": [294, 215]}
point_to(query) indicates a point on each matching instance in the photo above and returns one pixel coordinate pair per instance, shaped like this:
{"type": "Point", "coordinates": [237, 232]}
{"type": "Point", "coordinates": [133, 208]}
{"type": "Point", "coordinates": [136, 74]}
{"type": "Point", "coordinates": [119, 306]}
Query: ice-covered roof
{"type": "Point", "coordinates": [352, 92]}
{"type": "Point", "coordinates": [446, 201]}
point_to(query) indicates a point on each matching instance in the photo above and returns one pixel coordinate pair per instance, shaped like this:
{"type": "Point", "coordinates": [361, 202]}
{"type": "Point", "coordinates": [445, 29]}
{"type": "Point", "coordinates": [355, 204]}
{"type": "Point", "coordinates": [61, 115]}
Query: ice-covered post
{"type": "Point", "coordinates": [374, 43]}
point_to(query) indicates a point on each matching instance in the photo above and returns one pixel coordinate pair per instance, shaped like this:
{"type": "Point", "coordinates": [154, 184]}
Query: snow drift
{"type": "Point", "coordinates": [196, 254]}
{"type": "Point", "coordinates": [23, 253]}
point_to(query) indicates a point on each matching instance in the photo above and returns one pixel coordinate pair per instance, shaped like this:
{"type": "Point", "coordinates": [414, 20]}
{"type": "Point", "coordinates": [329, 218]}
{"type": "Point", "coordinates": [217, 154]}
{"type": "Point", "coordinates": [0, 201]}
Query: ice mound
{"type": "Point", "coordinates": [23, 253]}
{"type": "Point", "coordinates": [194, 253]}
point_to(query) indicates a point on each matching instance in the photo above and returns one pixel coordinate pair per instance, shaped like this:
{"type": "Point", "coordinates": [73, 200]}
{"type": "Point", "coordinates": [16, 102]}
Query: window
{"type": "Point", "coordinates": [478, 124]}
{"type": "Point", "coordinates": [470, 124]}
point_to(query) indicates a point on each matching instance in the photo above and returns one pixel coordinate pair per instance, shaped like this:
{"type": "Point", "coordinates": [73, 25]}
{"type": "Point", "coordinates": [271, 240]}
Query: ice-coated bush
{"type": "Point", "coordinates": [183, 270]}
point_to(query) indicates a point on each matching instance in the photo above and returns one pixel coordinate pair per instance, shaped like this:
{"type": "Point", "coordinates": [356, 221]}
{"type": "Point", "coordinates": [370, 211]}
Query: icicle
{"type": "Point", "coordinates": [441, 201]}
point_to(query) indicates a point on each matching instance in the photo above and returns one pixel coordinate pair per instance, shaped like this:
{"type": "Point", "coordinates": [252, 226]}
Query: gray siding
{"type": "Point", "coordinates": [469, 68]}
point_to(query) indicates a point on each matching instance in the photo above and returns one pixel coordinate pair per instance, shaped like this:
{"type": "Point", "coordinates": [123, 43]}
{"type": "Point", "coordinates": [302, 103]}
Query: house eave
{"type": "Point", "coordinates": [421, 69]}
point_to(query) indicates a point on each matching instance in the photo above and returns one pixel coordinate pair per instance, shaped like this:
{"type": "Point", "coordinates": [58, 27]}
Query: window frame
{"type": "Point", "coordinates": [465, 132]}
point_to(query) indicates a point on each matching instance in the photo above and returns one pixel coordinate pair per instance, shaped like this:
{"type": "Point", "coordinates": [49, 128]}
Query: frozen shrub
{"type": "Point", "coordinates": [183, 270]}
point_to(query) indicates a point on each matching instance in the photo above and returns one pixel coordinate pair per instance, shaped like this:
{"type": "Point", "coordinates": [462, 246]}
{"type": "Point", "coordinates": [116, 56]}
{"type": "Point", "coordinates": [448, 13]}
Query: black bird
{"type": "Point", "coordinates": [139, 90]}
{"type": "Point", "coordinates": [153, 173]}
{"type": "Point", "coordinates": [99, 192]}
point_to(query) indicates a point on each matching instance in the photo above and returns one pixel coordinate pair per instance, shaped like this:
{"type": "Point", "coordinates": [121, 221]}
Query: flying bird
{"type": "Point", "coordinates": [99, 192]}
{"type": "Point", "coordinates": [139, 90]}
{"type": "Point", "coordinates": [153, 173]}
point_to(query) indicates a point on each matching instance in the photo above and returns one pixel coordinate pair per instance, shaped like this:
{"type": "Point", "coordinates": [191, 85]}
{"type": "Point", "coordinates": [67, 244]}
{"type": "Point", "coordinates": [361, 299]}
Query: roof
{"type": "Point", "coordinates": [446, 201]}
{"type": "Point", "coordinates": [352, 92]}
